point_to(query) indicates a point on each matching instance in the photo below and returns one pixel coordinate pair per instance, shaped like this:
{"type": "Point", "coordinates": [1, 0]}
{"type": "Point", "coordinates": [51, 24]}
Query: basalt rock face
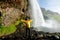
{"type": "Point", "coordinates": [11, 10]}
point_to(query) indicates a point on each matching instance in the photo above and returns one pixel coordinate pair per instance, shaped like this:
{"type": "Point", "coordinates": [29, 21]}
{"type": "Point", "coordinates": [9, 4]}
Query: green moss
{"type": "Point", "coordinates": [17, 22]}
{"type": "Point", "coordinates": [7, 30]}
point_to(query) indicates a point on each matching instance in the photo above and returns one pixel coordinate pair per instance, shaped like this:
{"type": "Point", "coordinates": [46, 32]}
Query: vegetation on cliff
{"type": "Point", "coordinates": [11, 12]}
{"type": "Point", "coordinates": [48, 14]}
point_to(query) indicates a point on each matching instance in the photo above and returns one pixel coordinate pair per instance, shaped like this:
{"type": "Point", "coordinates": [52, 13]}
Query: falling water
{"type": "Point", "coordinates": [38, 19]}
{"type": "Point", "coordinates": [37, 15]}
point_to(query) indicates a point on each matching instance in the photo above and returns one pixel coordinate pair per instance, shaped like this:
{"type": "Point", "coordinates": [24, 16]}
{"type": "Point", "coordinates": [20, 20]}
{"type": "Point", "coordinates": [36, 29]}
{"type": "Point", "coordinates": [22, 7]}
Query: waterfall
{"type": "Point", "coordinates": [37, 15]}
{"type": "Point", "coordinates": [38, 19]}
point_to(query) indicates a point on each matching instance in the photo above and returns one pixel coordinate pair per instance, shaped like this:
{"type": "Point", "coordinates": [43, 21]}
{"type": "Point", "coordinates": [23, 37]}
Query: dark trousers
{"type": "Point", "coordinates": [27, 33]}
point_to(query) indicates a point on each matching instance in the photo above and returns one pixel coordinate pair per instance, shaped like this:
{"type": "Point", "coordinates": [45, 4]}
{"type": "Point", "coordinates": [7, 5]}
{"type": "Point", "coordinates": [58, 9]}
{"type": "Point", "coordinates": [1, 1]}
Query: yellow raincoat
{"type": "Point", "coordinates": [27, 22]}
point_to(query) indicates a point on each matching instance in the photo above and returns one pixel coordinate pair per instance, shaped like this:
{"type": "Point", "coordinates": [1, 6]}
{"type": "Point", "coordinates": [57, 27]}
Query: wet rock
{"type": "Point", "coordinates": [11, 10]}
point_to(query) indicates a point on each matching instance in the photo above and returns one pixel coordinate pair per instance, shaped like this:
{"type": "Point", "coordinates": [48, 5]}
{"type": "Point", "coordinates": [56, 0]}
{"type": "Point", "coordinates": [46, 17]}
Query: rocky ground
{"type": "Point", "coordinates": [20, 34]}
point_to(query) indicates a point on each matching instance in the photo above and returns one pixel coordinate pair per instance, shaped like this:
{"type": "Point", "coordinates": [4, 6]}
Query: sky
{"type": "Point", "coordinates": [53, 5]}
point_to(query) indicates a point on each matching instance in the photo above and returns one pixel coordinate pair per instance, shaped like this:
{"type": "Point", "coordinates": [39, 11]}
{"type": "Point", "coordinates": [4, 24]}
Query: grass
{"type": "Point", "coordinates": [55, 17]}
{"type": "Point", "coordinates": [9, 29]}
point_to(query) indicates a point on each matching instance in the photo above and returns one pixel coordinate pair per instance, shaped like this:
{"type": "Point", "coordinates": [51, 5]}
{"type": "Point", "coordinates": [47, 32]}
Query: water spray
{"type": "Point", "coordinates": [36, 14]}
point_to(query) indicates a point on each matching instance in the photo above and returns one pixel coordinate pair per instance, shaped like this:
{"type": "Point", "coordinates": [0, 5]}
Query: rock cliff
{"type": "Point", "coordinates": [11, 11]}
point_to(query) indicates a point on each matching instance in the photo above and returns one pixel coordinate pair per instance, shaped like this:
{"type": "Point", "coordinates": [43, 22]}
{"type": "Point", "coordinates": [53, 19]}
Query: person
{"type": "Point", "coordinates": [27, 20]}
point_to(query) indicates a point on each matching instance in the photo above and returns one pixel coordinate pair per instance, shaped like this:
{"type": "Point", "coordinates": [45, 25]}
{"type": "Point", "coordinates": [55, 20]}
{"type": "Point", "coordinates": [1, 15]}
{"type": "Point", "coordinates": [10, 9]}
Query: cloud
{"type": "Point", "coordinates": [53, 5]}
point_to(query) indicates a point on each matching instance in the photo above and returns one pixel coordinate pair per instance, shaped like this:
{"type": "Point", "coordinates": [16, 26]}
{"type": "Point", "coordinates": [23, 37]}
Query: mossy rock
{"type": "Point", "coordinates": [7, 30]}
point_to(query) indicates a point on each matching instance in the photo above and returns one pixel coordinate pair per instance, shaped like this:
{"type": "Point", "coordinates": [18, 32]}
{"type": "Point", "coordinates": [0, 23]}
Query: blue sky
{"type": "Point", "coordinates": [53, 5]}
